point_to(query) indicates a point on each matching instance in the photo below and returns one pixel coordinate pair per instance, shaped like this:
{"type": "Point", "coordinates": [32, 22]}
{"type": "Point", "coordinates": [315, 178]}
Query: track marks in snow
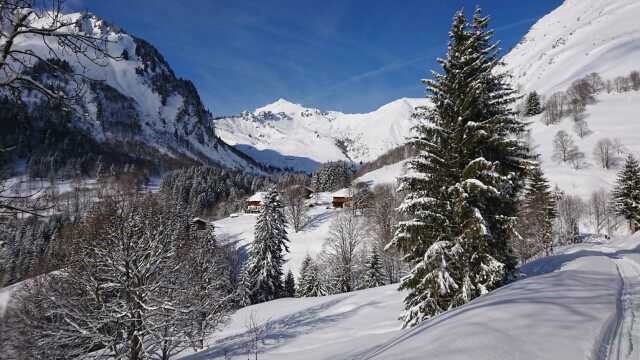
{"type": "Point", "coordinates": [624, 344]}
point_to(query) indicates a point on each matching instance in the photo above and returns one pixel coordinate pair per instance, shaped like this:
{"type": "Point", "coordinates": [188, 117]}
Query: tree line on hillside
{"type": "Point", "coordinates": [607, 153]}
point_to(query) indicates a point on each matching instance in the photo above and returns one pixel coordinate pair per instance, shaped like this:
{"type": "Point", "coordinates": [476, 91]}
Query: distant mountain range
{"type": "Point", "coordinates": [140, 108]}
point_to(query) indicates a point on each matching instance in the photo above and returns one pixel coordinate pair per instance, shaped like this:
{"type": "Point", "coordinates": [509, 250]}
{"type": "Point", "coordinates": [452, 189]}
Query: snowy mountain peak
{"type": "Point", "coordinates": [282, 106]}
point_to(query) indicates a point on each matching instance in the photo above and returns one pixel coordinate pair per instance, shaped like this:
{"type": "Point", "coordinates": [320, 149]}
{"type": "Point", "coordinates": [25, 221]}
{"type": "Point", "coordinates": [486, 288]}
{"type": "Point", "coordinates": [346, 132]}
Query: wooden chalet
{"type": "Point", "coordinates": [342, 198]}
{"type": "Point", "coordinates": [254, 203]}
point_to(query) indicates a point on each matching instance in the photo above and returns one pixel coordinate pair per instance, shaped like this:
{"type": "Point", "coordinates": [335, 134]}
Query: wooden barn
{"type": "Point", "coordinates": [342, 198]}
{"type": "Point", "coordinates": [255, 202]}
{"type": "Point", "coordinates": [200, 224]}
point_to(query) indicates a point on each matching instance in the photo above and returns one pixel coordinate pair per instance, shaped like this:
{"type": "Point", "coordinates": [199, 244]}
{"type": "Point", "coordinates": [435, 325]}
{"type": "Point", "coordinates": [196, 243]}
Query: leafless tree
{"type": "Point", "coordinates": [604, 153]}
{"type": "Point", "coordinates": [581, 93]}
{"type": "Point", "coordinates": [126, 290]}
{"type": "Point", "coordinates": [622, 84]}
{"type": "Point", "coordinates": [381, 223]}
{"type": "Point", "coordinates": [595, 82]}
{"type": "Point", "coordinates": [564, 149]}
{"type": "Point", "coordinates": [571, 210]}
{"type": "Point", "coordinates": [555, 108]}
{"type": "Point", "coordinates": [619, 147]}
{"type": "Point", "coordinates": [581, 128]}
{"type": "Point", "coordinates": [257, 331]}
{"type": "Point", "coordinates": [577, 161]}
{"type": "Point", "coordinates": [600, 212]}
{"type": "Point", "coordinates": [345, 238]}
{"type": "Point", "coordinates": [295, 208]}
{"type": "Point", "coordinates": [61, 37]}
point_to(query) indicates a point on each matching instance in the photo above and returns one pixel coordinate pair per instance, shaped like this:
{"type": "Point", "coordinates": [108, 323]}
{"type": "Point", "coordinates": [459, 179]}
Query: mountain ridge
{"type": "Point", "coordinates": [134, 97]}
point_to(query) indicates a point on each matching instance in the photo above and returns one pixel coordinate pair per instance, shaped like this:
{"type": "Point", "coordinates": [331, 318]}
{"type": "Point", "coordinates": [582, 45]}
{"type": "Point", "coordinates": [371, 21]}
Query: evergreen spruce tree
{"type": "Point", "coordinates": [533, 104]}
{"type": "Point", "coordinates": [267, 251]}
{"type": "Point", "coordinates": [289, 285]}
{"type": "Point", "coordinates": [315, 287]}
{"type": "Point", "coordinates": [304, 274]}
{"type": "Point", "coordinates": [536, 217]}
{"type": "Point", "coordinates": [243, 291]}
{"type": "Point", "coordinates": [626, 194]}
{"type": "Point", "coordinates": [374, 275]}
{"type": "Point", "coordinates": [310, 283]}
{"type": "Point", "coordinates": [461, 196]}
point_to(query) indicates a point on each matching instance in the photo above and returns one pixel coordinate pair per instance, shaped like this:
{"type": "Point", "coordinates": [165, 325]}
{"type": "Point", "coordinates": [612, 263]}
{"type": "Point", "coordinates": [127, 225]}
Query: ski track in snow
{"type": "Point", "coordinates": [624, 343]}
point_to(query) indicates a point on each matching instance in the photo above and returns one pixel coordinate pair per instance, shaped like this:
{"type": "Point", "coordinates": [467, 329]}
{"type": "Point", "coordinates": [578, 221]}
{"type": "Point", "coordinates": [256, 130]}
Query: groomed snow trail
{"type": "Point", "coordinates": [625, 343]}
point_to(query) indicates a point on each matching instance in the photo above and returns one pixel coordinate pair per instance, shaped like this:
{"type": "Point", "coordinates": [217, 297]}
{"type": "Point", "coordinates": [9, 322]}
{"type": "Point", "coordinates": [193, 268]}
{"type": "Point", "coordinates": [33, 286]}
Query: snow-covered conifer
{"type": "Point", "coordinates": [626, 194]}
{"type": "Point", "coordinates": [462, 190]}
{"type": "Point", "coordinates": [243, 290]}
{"type": "Point", "coordinates": [373, 275]}
{"type": "Point", "coordinates": [533, 104]}
{"type": "Point", "coordinates": [267, 251]}
{"type": "Point", "coordinates": [536, 217]}
{"type": "Point", "coordinates": [289, 285]}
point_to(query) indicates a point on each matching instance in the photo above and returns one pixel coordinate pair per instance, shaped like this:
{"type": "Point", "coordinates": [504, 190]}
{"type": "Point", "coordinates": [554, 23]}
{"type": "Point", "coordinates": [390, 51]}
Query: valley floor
{"type": "Point", "coordinates": [580, 304]}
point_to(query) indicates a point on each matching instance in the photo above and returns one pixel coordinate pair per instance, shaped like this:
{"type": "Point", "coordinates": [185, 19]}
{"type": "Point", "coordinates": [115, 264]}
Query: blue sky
{"type": "Point", "coordinates": [346, 55]}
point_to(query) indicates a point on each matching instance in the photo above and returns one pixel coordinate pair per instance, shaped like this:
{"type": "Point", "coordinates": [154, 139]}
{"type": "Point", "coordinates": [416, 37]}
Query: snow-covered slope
{"type": "Point", "coordinates": [614, 116]}
{"type": "Point", "coordinates": [289, 135]}
{"type": "Point", "coordinates": [135, 99]}
{"type": "Point", "coordinates": [569, 306]}
{"type": "Point", "coordinates": [240, 230]}
{"type": "Point", "coordinates": [385, 175]}
{"type": "Point", "coordinates": [578, 38]}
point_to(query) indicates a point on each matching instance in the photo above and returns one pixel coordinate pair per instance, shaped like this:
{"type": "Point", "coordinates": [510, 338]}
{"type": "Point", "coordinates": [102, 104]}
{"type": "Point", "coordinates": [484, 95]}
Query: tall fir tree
{"type": "Point", "coordinates": [267, 251]}
{"type": "Point", "coordinates": [533, 104]}
{"type": "Point", "coordinates": [536, 217]}
{"type": "Point", "coordinates": [462, 193]}
{"type": "Point", "coordinates": [626, 194]}
{"type": "Point", "coordinates": [373, 275]}
{"type": "Point", "coordinates": [289, 285]}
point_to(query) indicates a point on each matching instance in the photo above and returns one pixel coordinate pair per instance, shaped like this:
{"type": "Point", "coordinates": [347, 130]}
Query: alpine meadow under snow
{"type": "Point", "coordinates": [496, 218]}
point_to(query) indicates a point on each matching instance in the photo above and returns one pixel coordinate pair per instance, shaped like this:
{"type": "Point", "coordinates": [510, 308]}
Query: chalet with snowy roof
{"type": "Point", "coordinates": [342, 198]}
{"type": "Point", "coordinates": [255, 202]}
{"type": "Point", "coordinates": [200, 223]}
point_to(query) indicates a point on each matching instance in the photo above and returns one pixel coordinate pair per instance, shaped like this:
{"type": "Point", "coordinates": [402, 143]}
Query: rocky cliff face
{"type": "Point", "coordinates": [134, 105]}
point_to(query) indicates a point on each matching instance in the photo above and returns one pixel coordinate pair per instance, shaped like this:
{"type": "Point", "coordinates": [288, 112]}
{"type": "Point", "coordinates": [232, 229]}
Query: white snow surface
{"type": "Point", "coordinates": [385, 175]}
{"type": "Point", "coordinates": [578, 38]}
{"type": "Point", "coordinates": [240, 230]}
{"type": "Point", "coordinates": [614, 116]}
{"type": "Point", "coordinates": [579, 304]}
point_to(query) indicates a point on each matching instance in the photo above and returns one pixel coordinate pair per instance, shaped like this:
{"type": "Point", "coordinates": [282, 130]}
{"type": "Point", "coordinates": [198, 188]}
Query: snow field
{"type": "Point", "coordinates": [567, 306]}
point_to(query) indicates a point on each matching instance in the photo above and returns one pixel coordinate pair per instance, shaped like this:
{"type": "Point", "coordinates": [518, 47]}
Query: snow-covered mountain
{"type": "Point", "coordinates": [578, 38]}
{"type": "Point", "coordinates": [137, 99]}
{"type": "Point", "coordinates": [289, 135]}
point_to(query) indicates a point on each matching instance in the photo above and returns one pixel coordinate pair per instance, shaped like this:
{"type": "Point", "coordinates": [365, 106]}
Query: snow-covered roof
{"type": "Point", "coordinates": [346, 192]}
{"type": "Point", "coordinates": [197, 219]}
{"type": "Point", "coordinates": [259, 196]}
